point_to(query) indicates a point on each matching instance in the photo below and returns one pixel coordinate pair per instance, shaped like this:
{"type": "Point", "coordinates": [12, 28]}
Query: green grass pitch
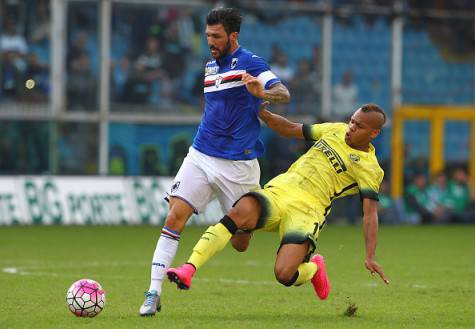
{"type": "Point", "coordinates": [431, 269]}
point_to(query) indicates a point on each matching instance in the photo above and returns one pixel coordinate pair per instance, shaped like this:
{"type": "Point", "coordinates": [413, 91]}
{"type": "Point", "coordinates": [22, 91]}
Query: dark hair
{"type": "Point", "coordinates": [374, 108]}
{"type": "Point", "coordinates": [230, 18]}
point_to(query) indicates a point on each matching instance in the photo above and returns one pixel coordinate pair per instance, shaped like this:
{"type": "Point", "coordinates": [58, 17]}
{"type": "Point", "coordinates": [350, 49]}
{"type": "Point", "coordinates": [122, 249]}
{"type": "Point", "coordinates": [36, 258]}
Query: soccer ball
{"type": "Point", "coordinates": [86, 298]}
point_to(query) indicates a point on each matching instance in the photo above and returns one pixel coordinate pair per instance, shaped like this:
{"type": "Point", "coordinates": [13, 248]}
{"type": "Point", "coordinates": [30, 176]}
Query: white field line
{"type": "Point", "coordinates": [41, 264]}
{"type": "Point", "coordinates": [19, 271]}
{"type": "Point", "coordinates": [412, 285]}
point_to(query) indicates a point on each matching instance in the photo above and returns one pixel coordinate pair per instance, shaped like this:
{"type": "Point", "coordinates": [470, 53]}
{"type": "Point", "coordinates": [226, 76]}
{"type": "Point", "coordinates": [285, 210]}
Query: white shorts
{"type": "Point", "coordinates": [202, 178]}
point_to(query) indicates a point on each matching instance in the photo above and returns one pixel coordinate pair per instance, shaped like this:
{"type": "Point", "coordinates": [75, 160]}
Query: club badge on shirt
{"type": "Point", "coordinates": [354, 158]}
{"type": "Point", "coordinates": [234, 62]}
{"type": "Point", "coordinates": [218, 80]}
{"type": "Point", "coordinates": [175, 187]}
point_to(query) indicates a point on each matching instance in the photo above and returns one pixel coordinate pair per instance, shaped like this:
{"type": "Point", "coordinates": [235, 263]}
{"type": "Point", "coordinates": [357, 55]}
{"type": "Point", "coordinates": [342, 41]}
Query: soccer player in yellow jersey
{"type": "Point", "coordinates": [341, 162]}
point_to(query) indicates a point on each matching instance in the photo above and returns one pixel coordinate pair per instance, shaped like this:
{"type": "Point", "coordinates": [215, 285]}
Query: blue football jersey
{"type": "Point", "coordinates": [230, 126]}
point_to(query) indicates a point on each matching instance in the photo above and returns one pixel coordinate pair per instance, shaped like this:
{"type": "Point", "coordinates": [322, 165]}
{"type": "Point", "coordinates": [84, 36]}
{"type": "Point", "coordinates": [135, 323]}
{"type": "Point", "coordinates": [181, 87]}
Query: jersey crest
{"type": "Point", "coordinates": [354, 157]}
{"type": "Point", "coordinates": [234, 63]}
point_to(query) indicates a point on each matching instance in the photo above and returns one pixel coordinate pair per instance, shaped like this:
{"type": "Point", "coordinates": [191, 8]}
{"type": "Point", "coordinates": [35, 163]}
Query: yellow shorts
{"type": "Point", "coordinates": [296, 218]}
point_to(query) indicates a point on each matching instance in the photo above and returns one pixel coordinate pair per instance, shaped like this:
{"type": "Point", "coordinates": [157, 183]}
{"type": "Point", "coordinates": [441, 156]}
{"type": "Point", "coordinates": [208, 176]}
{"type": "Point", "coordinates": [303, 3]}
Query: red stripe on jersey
{"type": "Point", "coordinates": [235, 77]}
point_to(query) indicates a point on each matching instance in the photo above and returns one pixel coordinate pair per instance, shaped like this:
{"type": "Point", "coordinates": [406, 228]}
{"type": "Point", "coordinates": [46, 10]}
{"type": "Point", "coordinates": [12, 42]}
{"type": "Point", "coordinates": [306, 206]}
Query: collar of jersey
{"type": "Point", "coordinates": [225, 60]}
{"type": "Point", "coordinates": [371, 150]}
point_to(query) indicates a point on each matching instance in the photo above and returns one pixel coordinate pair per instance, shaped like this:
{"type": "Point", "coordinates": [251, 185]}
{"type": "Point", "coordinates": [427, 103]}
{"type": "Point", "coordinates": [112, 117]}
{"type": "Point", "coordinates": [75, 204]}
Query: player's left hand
{"type": "Point", "coordinates": [264, 112]}
{"type": "Point", "coordinates": [253, 85]}
{"type": "Point", "coordinates": [374, 267]}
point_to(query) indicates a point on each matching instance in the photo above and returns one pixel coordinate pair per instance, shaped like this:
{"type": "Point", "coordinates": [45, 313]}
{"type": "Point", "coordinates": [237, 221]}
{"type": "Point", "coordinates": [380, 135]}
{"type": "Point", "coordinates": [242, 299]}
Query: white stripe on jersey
{"type": "Point", "coordinates": [265, 77]}
{"type": "Point", "coordinates": [223, 86]}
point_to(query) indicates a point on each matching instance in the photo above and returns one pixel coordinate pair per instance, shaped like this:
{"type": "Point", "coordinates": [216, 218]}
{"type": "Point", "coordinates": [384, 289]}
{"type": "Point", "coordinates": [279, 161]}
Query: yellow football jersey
{"type": "Point", "coordinates": [331, 168]}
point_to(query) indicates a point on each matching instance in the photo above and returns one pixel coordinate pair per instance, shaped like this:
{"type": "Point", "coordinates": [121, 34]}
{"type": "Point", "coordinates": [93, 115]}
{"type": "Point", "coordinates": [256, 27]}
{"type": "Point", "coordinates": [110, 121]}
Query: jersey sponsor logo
{"type": "Point", "coordinates": [175, 187]}
{"type": "Point", "coordinates": [354, 157]}
{"type": "Point", "coordinates": [210, 70]}
{"type": "Point", "coordinates": [331, 155]}
{"type": "Point", "coordinates": [234, 63]}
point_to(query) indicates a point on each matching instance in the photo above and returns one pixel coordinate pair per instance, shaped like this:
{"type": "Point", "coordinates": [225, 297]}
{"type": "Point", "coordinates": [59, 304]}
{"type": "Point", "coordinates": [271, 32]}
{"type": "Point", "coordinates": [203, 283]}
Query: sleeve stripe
{"type": "Point", "coordinates": [307, 132]}
{"type": "Point", "coordinates": [270, 83]}
{"type": "Point", "coordinates": [369, 194]}
{"type": "Point", "coordinates": [265, 77]}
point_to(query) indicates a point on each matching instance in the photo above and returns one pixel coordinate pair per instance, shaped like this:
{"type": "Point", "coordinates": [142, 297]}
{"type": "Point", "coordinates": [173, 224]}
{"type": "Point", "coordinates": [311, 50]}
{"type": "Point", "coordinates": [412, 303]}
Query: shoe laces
{"type": "Point", "coordinates": [150, 298]}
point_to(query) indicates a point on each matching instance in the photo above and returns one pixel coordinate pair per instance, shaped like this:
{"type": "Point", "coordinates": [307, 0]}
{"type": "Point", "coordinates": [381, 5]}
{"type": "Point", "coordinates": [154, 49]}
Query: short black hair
{"type": "Point", "coordinates": [230, 18]}
{"type": "Point", "coordinates": [374, 108]}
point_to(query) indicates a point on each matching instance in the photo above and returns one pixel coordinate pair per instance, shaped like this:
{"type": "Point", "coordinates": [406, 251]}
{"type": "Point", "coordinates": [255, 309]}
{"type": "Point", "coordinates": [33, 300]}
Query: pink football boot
{"type": "Point", "coordinates": [320, 281]}
{"type": "Point", "coordinates": [182, 276]}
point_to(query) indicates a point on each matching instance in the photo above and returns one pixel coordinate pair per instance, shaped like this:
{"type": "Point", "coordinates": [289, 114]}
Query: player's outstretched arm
{"type": "Point", "coordinates": [370, 230]}
{"type": "Point", "coordinates": [279, 124]}
{"type": "Point", "coordinates": [277, 93]}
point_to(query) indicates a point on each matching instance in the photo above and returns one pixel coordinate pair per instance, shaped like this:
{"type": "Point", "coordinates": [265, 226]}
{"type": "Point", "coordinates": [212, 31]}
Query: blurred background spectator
{"type": "Point", "coordinates": [345, 96]}
{"type": "Point", "coordinates": [157, 56]}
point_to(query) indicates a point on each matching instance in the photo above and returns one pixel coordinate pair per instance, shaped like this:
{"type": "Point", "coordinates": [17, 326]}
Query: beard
{"type": "Point", "coordinates": [224, 52]}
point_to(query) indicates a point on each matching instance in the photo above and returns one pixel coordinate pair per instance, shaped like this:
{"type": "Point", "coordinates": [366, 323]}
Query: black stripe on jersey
{"type": "Point", "coordinates": [307, 132]}
{"type": "Point", "coordinates": [212, 82]}
{"type": "Point", "coordinates": [319, 227]}
{"type": "Point", "coordinates": [349, 187]}
{"type": "Point", "coordinates": [237, 78]}
{"type": "Point", "coordinates": [369, 194]}
{"type": "Point", "coordinates": [337, 194]}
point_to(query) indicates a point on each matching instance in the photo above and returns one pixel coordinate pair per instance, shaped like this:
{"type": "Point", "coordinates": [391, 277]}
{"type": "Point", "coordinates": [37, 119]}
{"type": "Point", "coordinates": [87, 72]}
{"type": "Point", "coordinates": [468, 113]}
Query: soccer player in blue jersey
{"type": "Point", "coordinates": [222, 162]}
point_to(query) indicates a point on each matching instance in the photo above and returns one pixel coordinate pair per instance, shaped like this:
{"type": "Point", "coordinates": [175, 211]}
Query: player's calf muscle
{"type": "Point", "coordinates": [240, 241]}
{"type": "Point", "coordinates": [175, 222]}
{"type": "Point", "coordinates": [178, 215]}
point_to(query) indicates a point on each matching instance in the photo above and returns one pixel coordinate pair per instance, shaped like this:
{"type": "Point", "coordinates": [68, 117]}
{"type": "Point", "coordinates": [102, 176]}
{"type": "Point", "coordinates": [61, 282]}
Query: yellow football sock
{"type": "Point", "coordinates": [213, 240]}
{"type": "Point", "coordinates": [306, 272]}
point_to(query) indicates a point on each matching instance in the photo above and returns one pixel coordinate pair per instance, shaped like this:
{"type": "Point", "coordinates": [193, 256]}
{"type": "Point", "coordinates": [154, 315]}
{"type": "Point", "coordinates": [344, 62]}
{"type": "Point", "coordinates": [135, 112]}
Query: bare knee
{"type": "Point", "coordinates": [245, 213]}
{"type": "Point", "coordinates": [240, 241]}
{"type": "Point", "coordinates": [285, 275]}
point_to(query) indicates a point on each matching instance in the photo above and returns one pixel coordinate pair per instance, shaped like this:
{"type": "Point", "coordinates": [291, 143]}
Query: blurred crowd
{"type": "Point", "coordinates": [442, 199]}
{"type": "Point", "coordinates": [24, 72]}
{"type": "Point", "coordinates": [158, 53]}
{"type": "Point", "coordinates": [157, 56]}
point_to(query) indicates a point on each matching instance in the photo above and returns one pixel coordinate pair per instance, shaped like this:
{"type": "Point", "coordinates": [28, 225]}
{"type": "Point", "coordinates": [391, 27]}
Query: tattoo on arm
{"type": "Point", "coordinates": [277, 94]}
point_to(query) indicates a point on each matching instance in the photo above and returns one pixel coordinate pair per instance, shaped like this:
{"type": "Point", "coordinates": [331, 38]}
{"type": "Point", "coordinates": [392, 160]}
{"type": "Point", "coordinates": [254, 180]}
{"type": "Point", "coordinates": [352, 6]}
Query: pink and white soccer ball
{"type": "Point", "coordinates": [86, 298]}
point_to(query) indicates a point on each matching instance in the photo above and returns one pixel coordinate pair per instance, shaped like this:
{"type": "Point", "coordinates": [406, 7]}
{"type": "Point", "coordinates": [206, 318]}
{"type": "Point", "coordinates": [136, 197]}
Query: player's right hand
{"type": "Point", "coordinates": [374, 267]}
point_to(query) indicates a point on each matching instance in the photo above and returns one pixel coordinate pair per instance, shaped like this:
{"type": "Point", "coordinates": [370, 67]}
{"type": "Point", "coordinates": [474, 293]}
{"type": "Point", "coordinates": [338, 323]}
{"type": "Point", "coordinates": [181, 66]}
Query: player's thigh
{"type": "Point", "coordinates": [289, 258]}
{"type": "Point", "coordinates": [245, 213]}
{"type": "Point", "coordinates": [232, 179]}
{"type": "Point", "coordinates": [301, 224]}
{"type": "Point", "coordinates": [228, 196]}
{"type": "Point", "coordinates": [272, 208]}
{"type": "Point", "coordinates": [192, 186]}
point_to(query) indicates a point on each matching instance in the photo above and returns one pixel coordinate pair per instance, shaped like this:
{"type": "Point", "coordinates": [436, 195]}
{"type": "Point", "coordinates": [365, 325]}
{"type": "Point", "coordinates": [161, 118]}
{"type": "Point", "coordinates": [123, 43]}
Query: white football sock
{"type": "Point", "coordinates": [163, 257]}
